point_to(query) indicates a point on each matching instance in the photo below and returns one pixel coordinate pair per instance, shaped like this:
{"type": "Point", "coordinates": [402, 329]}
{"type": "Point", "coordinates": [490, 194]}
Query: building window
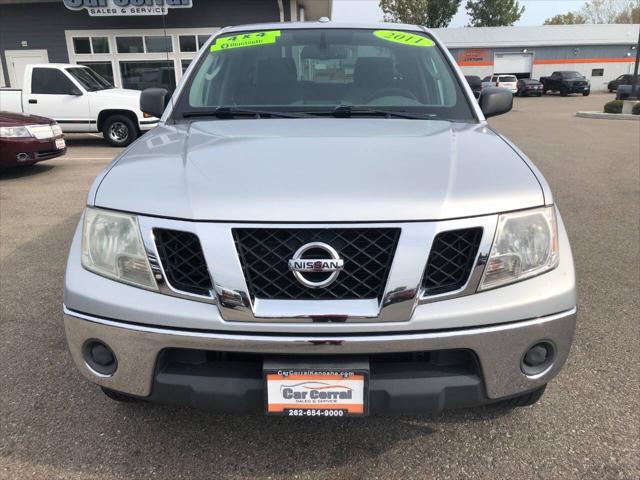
{"type": "Point", "coordinates": [89, 45]}
{"type": "Point", "coordinates": [139, 75]}
{"type": "Point", "coordinates": [188, 43]}
{"type": "Point", "coordinates": [129, 45]}
{"type": "Point", "coordinates": [158, 44]}
{"type": "Point", "coordinates": [597, 72]}
{"type": "Point", "coordinates": [104, 69]}
{"type": "Point", "coordinates": [202, 39]}
{"type": "Point", "coordinates": [185, 64]}
{"type": "Point", "coordinates": [100, 44]}
{"type": "Point", "coordinates": [82, 45]}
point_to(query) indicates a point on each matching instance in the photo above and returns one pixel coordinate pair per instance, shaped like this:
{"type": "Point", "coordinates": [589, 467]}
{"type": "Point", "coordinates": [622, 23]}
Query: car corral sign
{"type": "Point", "coordinates": [111, 8]}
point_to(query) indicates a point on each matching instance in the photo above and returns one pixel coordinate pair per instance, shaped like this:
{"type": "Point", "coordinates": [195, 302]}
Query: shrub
{"type": "Point", "coordinates": [636, 109]}
{"type": "Point", "coordinates": [614, 106]}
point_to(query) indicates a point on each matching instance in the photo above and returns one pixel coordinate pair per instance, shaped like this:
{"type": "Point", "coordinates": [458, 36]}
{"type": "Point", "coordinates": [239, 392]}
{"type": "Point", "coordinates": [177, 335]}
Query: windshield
{"type": "Point", "coordinates": [507, 78]}
{"type": "Point", "coordinates": [571, 75]}
{"type": "Point", "coordinates": [89, 79]}
{"type": "Point", "coordinates": [316, 70]}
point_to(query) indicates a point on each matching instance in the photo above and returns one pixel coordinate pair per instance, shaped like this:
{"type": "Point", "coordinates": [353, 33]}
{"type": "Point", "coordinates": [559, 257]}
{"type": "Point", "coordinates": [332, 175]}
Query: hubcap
{"type": "Point", "coordinates": [118, 132]}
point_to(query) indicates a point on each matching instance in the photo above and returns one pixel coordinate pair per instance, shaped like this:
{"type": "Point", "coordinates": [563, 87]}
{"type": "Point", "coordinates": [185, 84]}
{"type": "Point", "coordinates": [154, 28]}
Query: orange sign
{"type": "Point", "coordinates": [475, 56]}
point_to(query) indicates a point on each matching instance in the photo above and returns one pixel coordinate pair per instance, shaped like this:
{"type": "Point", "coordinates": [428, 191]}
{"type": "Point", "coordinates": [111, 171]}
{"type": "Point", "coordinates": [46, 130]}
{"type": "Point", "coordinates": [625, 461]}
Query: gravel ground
{"type": "Point", "coordinates": [53, 424]}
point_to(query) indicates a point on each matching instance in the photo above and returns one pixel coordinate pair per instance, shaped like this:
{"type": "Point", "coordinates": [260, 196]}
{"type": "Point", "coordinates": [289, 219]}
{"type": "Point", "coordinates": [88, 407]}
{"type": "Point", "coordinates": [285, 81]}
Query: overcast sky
{"type": "Point", "coordinates": [536, 11]}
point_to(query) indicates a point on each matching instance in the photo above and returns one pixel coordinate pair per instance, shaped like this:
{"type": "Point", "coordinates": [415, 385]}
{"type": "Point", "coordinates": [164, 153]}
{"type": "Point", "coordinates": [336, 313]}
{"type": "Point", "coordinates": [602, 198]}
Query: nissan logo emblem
{"type": "Point", "coordinates": [332, 265]}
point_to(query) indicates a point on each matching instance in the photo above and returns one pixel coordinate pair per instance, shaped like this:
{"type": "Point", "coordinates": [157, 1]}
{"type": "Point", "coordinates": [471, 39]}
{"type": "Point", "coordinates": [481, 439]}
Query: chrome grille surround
{"type": "Point", "coordinates": [404, 288]}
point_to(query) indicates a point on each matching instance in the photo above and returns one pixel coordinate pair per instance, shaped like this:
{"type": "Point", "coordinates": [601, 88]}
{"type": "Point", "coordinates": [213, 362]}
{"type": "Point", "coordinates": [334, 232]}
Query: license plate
{"type": "Point", "coordinates": [60, 143]}
{"type": "Point", "coordinates": [312, 390]}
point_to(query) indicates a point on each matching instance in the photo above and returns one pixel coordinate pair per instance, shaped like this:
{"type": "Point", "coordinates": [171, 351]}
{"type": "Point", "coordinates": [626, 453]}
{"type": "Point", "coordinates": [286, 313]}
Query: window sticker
{"type": "Point", "coordinates": [245, 40]}
{"type": "Point", "coordinates": [405, 38]}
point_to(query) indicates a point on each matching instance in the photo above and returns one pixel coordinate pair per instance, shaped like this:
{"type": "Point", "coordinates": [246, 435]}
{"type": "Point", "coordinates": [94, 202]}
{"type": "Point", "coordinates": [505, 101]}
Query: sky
{"type": "Point", "coordinates": [536, 11]}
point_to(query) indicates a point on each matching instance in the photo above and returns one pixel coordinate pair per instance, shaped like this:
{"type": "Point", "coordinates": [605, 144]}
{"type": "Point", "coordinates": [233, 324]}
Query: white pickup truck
{"type": "Point", "coordinates": [80, 100]}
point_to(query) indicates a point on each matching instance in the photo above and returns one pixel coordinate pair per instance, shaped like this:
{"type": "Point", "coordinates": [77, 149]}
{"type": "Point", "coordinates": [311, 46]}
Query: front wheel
{"type": "Point", "coordinates": [119, 130]}
{"type": "Point", "coordinates": [586, 93]}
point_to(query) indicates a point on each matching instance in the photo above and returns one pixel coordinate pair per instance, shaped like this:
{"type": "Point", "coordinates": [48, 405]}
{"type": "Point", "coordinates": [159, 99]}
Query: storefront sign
{"type": "Point", "coordinates": [474, 55]}
{"type": "Point", "coordinates": [113, 8]}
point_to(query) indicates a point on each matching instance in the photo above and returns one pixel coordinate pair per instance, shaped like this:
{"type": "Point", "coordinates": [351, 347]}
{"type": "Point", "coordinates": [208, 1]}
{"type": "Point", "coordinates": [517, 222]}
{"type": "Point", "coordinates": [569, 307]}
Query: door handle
{"type": "Point", "coordinates": [33, 100]}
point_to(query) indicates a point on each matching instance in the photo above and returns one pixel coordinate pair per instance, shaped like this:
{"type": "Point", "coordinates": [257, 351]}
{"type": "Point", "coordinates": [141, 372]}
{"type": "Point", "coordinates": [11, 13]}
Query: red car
{"type": "Point", "coordinates": [27, 139]}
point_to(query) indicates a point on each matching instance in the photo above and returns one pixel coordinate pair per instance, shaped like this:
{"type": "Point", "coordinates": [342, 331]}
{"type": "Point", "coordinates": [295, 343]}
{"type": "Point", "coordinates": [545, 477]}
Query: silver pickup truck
{"type": "Point", "coordinates": [323, 224]}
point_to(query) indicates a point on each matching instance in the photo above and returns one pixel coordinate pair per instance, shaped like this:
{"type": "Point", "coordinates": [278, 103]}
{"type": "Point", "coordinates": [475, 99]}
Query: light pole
{"type": "Point", "coordinates": [635, 88]}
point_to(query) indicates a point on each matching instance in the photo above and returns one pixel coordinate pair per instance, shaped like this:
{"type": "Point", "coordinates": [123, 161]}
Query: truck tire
{"type": "Point", "coordinates": [118, 396]}
{"type": "Point", "coordinates": [119, 130]}
{"type": "Point", "coordinates": [524, 400]}
{"type": "Point", "coordinates": [586, 93]}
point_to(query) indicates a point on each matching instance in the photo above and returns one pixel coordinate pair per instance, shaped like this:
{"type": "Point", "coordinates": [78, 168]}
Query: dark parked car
{"type": "Point", "coordinates": [475, 83]}
{"type": "Point", "coordinates": [528, 86]}
{"type": "Point", "coordinates": [27, 139]}
{"type": "Point", "coordinates": [626, 79]}
{"type": "Point", "coordinates": [566, 83]}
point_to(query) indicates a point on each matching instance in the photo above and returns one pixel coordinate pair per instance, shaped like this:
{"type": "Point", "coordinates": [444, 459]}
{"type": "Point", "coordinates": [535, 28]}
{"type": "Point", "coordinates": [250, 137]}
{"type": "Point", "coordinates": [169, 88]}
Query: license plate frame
{"type": "Point", "coordinates": [316, 388]}
{"type": "Point", "coordinates": [60, 143]}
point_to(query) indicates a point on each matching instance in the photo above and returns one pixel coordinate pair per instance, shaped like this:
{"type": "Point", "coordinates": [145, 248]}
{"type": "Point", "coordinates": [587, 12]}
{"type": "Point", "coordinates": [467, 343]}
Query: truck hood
{"type": "Point", "coordinates": [319, 170]}
{"type": "Point", "coordinates": [118, 92]}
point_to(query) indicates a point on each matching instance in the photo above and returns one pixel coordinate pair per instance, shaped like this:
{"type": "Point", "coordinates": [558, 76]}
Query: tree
{"type": "Point", "coordinates": [611, 11]}
{"type": "Point", "coordinates": [493, 13]}
{"type": "Point", "coordinates": [629, 13]}
{"type": "Point", "coordinates": [601, 11]}
{"type": "Point", "coordinates": [430, 13]}
{"type": "Point", "coordinates": [569, 18]}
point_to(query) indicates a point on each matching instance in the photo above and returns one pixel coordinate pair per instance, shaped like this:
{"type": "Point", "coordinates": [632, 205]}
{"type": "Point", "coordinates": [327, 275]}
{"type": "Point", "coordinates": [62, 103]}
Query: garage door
{"type": "Point", "coordinates": [513, 63]}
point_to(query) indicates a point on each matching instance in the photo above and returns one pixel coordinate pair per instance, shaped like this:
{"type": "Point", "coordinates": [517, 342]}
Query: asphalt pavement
{"type": "Point", "coordinates": [54, 424]}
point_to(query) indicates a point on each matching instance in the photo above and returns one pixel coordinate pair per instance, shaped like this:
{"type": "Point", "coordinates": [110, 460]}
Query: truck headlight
{"type": "Point", "coordinates": [14, 132]}
{"type": "Point", "coordinates": [112, 247]}
{"type": "Point", "coordinates": [525, 245]}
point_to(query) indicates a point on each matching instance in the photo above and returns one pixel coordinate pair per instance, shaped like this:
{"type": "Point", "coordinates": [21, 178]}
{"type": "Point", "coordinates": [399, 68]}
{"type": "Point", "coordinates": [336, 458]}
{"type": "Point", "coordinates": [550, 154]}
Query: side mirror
{"type": "Point", "coordinates": [495, 101]}
{"type": "Point", "coordinates": [75, 91]}
{"type": "Point", "coordinates": [153, 101]}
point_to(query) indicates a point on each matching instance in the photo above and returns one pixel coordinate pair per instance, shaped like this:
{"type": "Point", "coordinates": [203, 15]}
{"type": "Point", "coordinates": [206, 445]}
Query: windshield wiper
{"type": "Point", "coordinates": [230, 112]}
{"type": "Point", "coordinates": [346, 111]}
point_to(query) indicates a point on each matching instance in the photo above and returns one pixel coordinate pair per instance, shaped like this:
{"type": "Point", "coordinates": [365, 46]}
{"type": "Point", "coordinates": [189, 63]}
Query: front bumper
{"type": "Point", "coordinates": [499, 350]}
{"type": "Point", "coordinates": [36, 150]}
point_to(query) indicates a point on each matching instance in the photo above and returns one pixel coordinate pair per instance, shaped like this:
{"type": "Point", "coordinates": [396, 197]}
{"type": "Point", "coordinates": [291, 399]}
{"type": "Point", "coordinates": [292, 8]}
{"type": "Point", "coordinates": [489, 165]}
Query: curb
{"type": "Point", "coordinates": [608, 116]}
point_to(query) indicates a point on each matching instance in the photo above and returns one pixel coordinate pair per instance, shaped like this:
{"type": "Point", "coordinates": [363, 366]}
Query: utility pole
{"type": "Point", "coordinates": [635, 89]}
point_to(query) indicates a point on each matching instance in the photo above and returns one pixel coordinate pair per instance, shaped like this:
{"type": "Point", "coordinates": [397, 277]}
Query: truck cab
{"type": "Point", "coordinates": [80, 100]}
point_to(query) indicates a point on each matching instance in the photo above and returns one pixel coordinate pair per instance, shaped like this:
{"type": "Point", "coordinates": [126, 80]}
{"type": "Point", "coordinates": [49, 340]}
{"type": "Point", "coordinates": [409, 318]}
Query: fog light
{"type": "Point", "coordinates": [538, 358]}
{"type": "Point", "coordinates": [536, 355]}
{"type": "Point", "coordinates": [100, 358]}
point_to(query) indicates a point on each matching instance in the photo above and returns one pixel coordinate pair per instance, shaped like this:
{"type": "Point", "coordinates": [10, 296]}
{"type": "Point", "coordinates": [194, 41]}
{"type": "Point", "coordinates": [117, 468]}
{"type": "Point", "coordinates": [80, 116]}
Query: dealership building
{"type": "Point", "coordinates": [143, 43]}
{"type": "Point", "coordinates": [133, 43]}
{"type": "Point", "coordinates": [599, 52]}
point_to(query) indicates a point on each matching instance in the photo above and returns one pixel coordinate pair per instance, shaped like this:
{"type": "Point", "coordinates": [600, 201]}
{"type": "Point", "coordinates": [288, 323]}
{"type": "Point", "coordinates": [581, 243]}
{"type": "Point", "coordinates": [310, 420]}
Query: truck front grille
{"type": "Point", "coordinates": [183, 261]}
{"type": "Point", "coordinates": [265, 253]}
{"type": "Point", "coordinates": [451, 260]}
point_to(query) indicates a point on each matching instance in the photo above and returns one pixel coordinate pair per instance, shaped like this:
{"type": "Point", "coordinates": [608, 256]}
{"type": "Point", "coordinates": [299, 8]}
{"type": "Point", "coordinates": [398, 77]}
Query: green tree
{"type": "Point", "coordinates": [569, 18]}
{"type": "Point", "coordinates": [430, 13]}
{"type": "Point", "coordinates": [493, 13]}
